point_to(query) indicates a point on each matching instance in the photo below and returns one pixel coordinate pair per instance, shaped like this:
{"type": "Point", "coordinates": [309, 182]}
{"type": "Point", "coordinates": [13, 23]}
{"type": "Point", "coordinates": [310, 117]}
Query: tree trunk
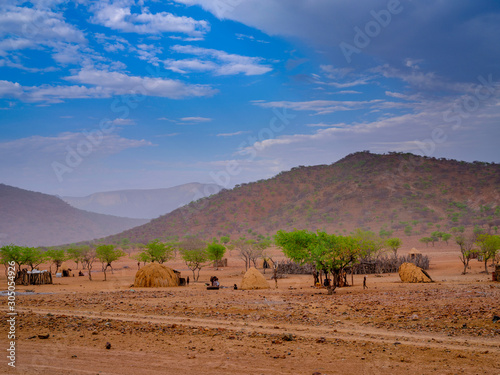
{"type": "Point", "coordinates": [198, 276]}
{"type": "Point", "coordinates": [194, 275]}
{"type": "Point", "coordinates": [485, 265]}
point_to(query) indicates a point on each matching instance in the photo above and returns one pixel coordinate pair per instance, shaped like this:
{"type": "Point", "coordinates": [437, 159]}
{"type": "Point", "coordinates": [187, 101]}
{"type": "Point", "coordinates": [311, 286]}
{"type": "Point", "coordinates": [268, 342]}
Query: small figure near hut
{"type": "Point", "coordinates": [187, 281]}
{"type": "Point", "coordinates": [214, 281]}
{"type": "Point", "coordinates": [364, 283]}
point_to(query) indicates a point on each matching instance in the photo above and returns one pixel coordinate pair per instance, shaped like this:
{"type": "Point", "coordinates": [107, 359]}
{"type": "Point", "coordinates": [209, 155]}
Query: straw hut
{"type": "Point", "coordinates": [414, 254]}
{"type": "Point", "coordinates": [156, 275]}
{"type": "Point", "coordinates": [410, 273]}
{"type": "Point", "coordinates": [253, 279]}
{"type": "Point", "coordinates": [65, 270]}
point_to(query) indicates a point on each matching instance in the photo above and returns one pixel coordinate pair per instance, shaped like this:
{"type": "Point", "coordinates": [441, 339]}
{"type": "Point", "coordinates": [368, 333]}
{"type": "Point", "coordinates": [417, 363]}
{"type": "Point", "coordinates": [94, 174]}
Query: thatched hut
{"type": "Point", "coordinates": [253, 279]}
{"type": "Point", "coordinates": [156, 275]}
{"type": "Point", "coordinates": [410, 273]}
{"type": "Point", "coordinates": [65, 270]}
{"type": "Point", "coordinates": [414, 254]}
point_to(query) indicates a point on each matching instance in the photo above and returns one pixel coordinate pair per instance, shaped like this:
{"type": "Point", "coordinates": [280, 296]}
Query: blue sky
{"type": "Point", "coordinates": [110, 95]}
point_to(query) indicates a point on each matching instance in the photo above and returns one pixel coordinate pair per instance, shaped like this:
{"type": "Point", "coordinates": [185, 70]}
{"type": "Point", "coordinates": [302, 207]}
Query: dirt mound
{"type": "Point", "coordinates": [156, 275]}
{"type": "Point", "coordinates": [410, 273]}
{"type": "Point", "coordinates": [253, 279]}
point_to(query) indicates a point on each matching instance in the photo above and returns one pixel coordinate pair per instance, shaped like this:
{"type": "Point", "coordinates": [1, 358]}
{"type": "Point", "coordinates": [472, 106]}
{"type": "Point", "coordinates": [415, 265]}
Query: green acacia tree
{"type": "Point", "coordinates": [394, 244]}
{"type": "Point", "coordinates": [327, 252]}
{"type": "Point", "coordinates": [108, 254]}
{"type": "Point", "coordinates": [12, 253]}
{"type": "Point", "coordinates": [426, 240]}
{"type": "Point", "coordinates": [195, 259]}
{"type": "Point", "coordinates": [57, 257]}
{"type": "Point", "coordinates": [156, 251]}
{"type": "Point", "coordinates": [76, 253]}
{"type": "Point", "coordinates": [446, 237]}
{"type": "Point", "coordinates": [33, 256]}
{"type": "Point", "coordinates": [488, 247]}
{"type": "Point", "coordinates": [215, 252]}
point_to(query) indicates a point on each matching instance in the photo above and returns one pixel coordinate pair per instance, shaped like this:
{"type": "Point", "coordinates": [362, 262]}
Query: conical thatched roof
{"type": "Point", "coordinates": [414, 251]}
{"type": "Point", "coordinates": [156, 275]}
{"type": "Point", "coordinates": [64, 267]}
{"type": "Point", "coordinates": [253, 279]}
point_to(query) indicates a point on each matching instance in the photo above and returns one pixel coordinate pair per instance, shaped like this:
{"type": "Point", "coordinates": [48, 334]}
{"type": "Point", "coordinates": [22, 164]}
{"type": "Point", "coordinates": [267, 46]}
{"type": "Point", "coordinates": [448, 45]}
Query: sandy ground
{"type": "Point", "coordinates": [441, 328]}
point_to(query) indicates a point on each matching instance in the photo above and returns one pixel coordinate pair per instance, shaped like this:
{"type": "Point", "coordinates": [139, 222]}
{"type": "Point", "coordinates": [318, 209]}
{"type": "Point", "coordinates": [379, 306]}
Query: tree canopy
{"type": "Point", "coordinates": [328, 252]}
{"type": "Point", "coordinates": [215, 252]}
{"type": "Point", "coordinates": [156, 251]}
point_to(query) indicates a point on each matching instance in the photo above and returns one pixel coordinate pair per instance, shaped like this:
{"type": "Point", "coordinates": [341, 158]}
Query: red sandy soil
{"type": "Point", "coordinates": [441, 328]}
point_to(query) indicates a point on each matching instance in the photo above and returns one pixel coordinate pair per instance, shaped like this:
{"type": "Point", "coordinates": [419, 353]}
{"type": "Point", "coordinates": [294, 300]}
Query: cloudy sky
{"type": "Point", "coordinates": [107, 95]}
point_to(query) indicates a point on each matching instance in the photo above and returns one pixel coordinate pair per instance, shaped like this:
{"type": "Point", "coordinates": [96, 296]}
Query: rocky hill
{"type": "Point", "coordinates": [404, 193]}
{"type": "Point", "coordinates": [35, 219]}
{"type": "Point", "coordinates": [142, 203]}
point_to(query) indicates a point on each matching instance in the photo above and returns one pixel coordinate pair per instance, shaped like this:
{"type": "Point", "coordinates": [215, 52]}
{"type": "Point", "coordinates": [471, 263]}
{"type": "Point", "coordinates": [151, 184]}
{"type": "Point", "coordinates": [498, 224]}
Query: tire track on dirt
{"type": "Point", "coordinates": [344, 331]}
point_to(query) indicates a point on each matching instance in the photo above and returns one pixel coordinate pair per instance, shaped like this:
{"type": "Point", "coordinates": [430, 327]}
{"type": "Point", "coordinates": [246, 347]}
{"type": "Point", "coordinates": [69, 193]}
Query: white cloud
{"type": "Point", "coordinates": [428, 129]}
{"type": "Point", "coordinates": [320, 107]}
{"type": "Point", "coordinates": [123, 121]}
{"type": "Point", "coordinates": [249, 37]}
{"type": "Point", "coordinates": [149, 53]}
{"type": "Point", "coordinates": [196, 119]}
{"type": "Point", "coordinates": [120, 83]}
{"type": "Point", "coordinates": [10, 89]}
{"type": "Point", "coordinates": [218, 62]}
{"type": "Point", "coordinates": [233, 134]}
{"type": "Point", "coordinates": [36, 150]}
{"type": "Point", "coordinates": [37, 26]}
{"type": "Point", "coordinates": [105, 84]}
{"type": "Point", "coordinates": [117, 15]}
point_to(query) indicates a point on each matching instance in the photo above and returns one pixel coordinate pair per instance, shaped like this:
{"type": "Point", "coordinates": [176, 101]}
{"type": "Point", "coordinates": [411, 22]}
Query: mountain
{"type": "Point", "coordinates": [408, 194]}
{"type": "Point", "coordinates": [142, 203]}
{"type": "Point", "coordinates": [35, 219]}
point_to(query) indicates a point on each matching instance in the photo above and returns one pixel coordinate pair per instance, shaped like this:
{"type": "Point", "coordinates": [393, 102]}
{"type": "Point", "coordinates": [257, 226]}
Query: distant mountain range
{"type": "Point", "coordinates": [142, 204]}
{"type": "Point", "coordinates": [35, 219]}
{"type": "Point", "coordinates": [400, 192]}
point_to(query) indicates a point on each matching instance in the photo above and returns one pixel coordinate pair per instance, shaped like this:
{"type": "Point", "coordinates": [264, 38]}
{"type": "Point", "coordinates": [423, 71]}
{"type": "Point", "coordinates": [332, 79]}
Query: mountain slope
{"type": "Point", "coordinates": [147, 203]}
{"type": "Point", "coordinates": [34, 219]}
{"type": "Point", "coordinates": [405, 193]}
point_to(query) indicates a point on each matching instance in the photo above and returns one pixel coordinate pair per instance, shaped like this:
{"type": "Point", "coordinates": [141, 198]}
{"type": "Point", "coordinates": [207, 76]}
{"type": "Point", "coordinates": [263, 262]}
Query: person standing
{"type": "Point", "coordinates": [364, 283]}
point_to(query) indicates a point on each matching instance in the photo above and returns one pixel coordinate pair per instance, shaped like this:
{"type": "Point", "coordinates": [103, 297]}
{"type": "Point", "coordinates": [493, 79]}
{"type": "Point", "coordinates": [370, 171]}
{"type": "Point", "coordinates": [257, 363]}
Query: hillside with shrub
{"type": "Point", "coordinates": [401, 193]}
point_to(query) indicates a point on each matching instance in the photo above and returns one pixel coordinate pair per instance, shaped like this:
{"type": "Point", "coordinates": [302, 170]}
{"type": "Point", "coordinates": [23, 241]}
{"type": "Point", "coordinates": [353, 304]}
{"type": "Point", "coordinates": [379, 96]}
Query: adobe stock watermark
{"type": "Point", "coordinates": [11, 314]}
{"type": "Point", "coordinates": [372, 29]}
{"type": "Point", "coordinates": [468, 104]}
{"type": "Point", "coordinates": [223, 7]}
{"type": "Point", "coordinates": [461, 109]}
{"type": "Point", "coordinates": [251, 147]}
